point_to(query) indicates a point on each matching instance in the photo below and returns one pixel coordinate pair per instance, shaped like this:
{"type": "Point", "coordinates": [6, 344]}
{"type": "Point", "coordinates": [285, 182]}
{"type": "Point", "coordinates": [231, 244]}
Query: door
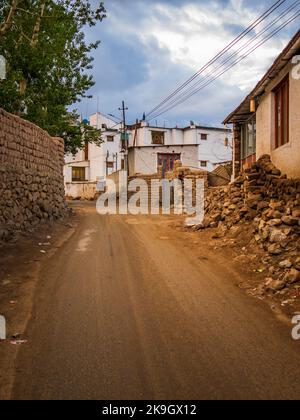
{"type": "Point", "coordinates": [167, 160]}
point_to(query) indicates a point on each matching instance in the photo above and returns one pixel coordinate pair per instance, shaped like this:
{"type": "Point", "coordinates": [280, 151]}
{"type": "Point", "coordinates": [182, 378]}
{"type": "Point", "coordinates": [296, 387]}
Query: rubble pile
{"type": "Point", "coordinates": [269, 204]}
{"type": "Point", "coordinates": [183, 172]}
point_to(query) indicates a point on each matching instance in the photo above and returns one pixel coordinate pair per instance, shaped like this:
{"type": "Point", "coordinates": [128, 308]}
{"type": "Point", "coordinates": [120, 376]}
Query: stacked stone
{"type": "Point", "coordinates": [261, 193]}
{"type": "Point", "coordinates": [31, 176]}
{"type": "Point", "coordinates": [268, 201]}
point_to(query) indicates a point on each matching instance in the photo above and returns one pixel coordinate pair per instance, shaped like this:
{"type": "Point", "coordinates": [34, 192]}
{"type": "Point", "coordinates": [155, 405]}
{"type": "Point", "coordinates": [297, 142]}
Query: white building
{"type": "Point", "coordinates": [197, 147]}
{"type": "Point", "coordinates": [92, 164]}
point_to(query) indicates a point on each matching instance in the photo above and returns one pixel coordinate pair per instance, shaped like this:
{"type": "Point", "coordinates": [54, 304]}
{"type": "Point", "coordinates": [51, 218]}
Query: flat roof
{"type": "Point", "coordinates": [168, 146]}
{"type": "Point", "coordinates": [198, 127]}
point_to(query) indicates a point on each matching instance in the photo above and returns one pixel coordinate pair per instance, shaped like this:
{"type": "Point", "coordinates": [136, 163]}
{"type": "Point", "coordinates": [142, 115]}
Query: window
{"type": "Point", "coordinates": [282, 113]}
{"type": "Point", "coordinates": [110, 138]}
{"type": "Point", "coordinates": [203, 163]}
{"type": "Point", "coordinates": [248, 138]}
{"type": "Point", "coordinates": [78, 174]}
{"type": "Point", "coordinates": [110, 164]}
{"type": "Point", "coordinates": [158, 137]}
{"type": "Point", "coordinates": [204, 136]}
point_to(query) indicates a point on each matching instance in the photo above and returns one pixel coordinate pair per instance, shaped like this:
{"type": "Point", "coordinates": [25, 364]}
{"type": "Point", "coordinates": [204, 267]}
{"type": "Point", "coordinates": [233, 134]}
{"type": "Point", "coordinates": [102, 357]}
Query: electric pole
{"type": "Point", "coordinates": [124, 137]}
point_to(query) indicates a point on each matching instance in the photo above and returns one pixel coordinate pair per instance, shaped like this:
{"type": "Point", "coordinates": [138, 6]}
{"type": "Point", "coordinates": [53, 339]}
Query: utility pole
{"type": "Point", "coordinates": [124, 137]}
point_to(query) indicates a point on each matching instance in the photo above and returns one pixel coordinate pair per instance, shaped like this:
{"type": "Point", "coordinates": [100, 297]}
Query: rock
{"type": "Point", "coordinates": [296, 213]}
{"type": "Point", "coordinates": [265, 233]}
{"type": "Point", "coordinates": [286, 264]}
{"type": "Point", "coordinates": [217, 217]}
{"type": "Point", "coordinates": [290, 221]}
{"type": "Point", "coordinates": [244, 210]}
{"type": "Point", "coordinates": [275, 249]}
{"type": "Point", "coordinates": [206, 222]}
{"type": "Point", "coordinates": [232, 207]}
{"type": "Point", "coordinates": [271, 270]}
{"type": "Point", "coordinates": [293, 276]}
{"type": "Point", "coordinates": [297, 263]}
{"type": "Point", "coordinates": [262, 224]}
{"type": "Point", "coordinates": [274, 222]}
{"type": "Point", "coordinates": [274, 285]}
{"type": "Point", "coordinates": [277, 236]}
{"type": "Point", "coordinates": [262, 205]}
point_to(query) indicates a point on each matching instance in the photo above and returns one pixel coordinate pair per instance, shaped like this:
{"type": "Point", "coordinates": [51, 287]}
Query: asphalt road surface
{"type": "Point", "coordinates": [126, 310]}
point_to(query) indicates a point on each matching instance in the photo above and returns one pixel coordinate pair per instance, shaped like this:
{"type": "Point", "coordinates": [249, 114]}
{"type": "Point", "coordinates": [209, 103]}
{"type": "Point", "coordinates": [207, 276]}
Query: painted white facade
{"type": "Point", "coordinates": [199, 147]}
{"type": "Point", "coordinates": [144, 160]}
{"type": "Point", "coordinates": [98, 161]}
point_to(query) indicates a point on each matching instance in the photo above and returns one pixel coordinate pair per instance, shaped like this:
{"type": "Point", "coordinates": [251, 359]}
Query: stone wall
{"type": "Point", "coordinates": [31, 176]}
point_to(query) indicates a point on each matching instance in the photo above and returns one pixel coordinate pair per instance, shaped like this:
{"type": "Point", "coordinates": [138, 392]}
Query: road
{"type": "Point", "coordinates": [127, 310]}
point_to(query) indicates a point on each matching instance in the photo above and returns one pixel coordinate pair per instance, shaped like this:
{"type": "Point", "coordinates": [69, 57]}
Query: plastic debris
{"type": "Point", "coordinates": [18, 342]}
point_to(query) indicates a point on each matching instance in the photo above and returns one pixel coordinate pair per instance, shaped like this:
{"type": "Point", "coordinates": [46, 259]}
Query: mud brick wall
{"type": "Point", "coordinates": [31, 175]}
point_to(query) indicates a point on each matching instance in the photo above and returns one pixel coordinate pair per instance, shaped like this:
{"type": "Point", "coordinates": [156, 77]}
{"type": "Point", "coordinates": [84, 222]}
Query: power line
{"type": "Point", "coordinates": [229, 67]}
{"type": "Point", "coordinates": [221, 53]}
{"type": "Point", "coordinates": [243, 47]}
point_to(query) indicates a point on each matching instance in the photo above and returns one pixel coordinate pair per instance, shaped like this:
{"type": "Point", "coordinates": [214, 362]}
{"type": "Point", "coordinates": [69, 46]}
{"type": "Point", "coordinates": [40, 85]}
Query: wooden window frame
{"type": "Point", "coordinates": [248, 148]}
{"type": "Point", "coordinates": [282, 135]}
{"type": "Point", "coordinates": [204, 136]}
{"type": "Point", "coordinates": [86, 150]}
{"type": "Point", "coordinates": [154, 141]}
{"type": "Point", "coordinates": [79, 169]}
{"type": "Point", "coordinates": [203, 163]}
{"type": "Point", "coordinates": [110, 139]}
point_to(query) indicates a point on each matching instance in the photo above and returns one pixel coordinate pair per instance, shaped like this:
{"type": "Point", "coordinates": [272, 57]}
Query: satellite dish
{"type": "Point", "coordinates": [2, 68]}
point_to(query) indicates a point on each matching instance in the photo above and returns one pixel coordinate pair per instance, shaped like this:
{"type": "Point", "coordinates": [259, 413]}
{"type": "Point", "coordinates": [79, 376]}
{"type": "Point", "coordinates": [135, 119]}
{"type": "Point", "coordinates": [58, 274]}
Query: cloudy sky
{"type": "Point", "coordinates": [150, 47]}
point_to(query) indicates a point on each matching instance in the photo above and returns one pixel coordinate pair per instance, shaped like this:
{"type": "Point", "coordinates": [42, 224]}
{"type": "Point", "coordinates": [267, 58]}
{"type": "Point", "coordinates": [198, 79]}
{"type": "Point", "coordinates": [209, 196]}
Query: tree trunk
{"type": "Point", "coordinates": [4, 27]}
{"type": "Point", "coordinates": [37, 26]}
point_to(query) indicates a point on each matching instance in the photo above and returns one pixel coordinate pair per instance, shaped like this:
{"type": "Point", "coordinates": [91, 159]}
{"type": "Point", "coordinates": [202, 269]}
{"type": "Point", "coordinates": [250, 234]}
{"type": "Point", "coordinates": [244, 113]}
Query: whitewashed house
{"type": "Point", "coordinates": [198, 147]}
{"type": "Point", "coordinates": [94, 163]}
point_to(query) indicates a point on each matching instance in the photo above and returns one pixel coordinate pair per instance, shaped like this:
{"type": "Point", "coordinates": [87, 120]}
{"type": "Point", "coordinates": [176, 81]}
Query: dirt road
{"type": "Point", "coordinates": [126, 309]}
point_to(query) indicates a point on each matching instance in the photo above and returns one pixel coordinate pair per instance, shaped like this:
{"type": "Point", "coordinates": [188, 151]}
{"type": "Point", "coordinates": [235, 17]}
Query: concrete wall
{"type": "Point", "coordinates": [31, 175]}
{"type": "Point", "coordinates": [81, 190]}
{"type": "Point", "coordinates": [287, 157]}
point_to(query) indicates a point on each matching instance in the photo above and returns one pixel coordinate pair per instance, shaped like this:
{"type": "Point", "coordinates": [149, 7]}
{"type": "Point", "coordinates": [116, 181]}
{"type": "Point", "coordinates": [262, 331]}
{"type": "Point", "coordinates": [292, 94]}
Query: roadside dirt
{"type": "Point", "coordinates": [20, 265]}
{"type": "Point", "coordinates": [249, 261]}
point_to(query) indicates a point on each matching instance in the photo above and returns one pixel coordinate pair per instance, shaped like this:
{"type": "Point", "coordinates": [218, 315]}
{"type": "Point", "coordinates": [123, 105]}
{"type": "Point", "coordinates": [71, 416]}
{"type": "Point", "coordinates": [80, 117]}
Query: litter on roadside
{"type": "Point", "coordinates": [18, 342]}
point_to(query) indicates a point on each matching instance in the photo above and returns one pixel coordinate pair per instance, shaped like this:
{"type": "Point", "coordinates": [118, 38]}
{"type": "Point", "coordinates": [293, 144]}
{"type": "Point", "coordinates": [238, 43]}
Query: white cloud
{"type": "Point", "coordinates": [194, 33]}
{"type": "Point", "coordinates": [175, 39]}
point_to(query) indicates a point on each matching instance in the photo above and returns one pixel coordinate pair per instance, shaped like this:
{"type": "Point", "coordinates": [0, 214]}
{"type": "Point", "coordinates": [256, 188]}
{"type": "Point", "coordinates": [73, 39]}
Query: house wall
{"type": "Point", "coordinates": [95, 165]}
{"type": "Point", "coordinates": [287, 157]}
{"type": "Point", "coordinates": [213, 150]}
{"type": "Point", "coordinates": [144, 160]}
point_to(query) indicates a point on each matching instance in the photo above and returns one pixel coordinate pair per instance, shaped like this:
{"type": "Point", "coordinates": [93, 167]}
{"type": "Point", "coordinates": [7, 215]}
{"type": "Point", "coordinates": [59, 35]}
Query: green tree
{"type": "Point", "coordinates": [48, 63]}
